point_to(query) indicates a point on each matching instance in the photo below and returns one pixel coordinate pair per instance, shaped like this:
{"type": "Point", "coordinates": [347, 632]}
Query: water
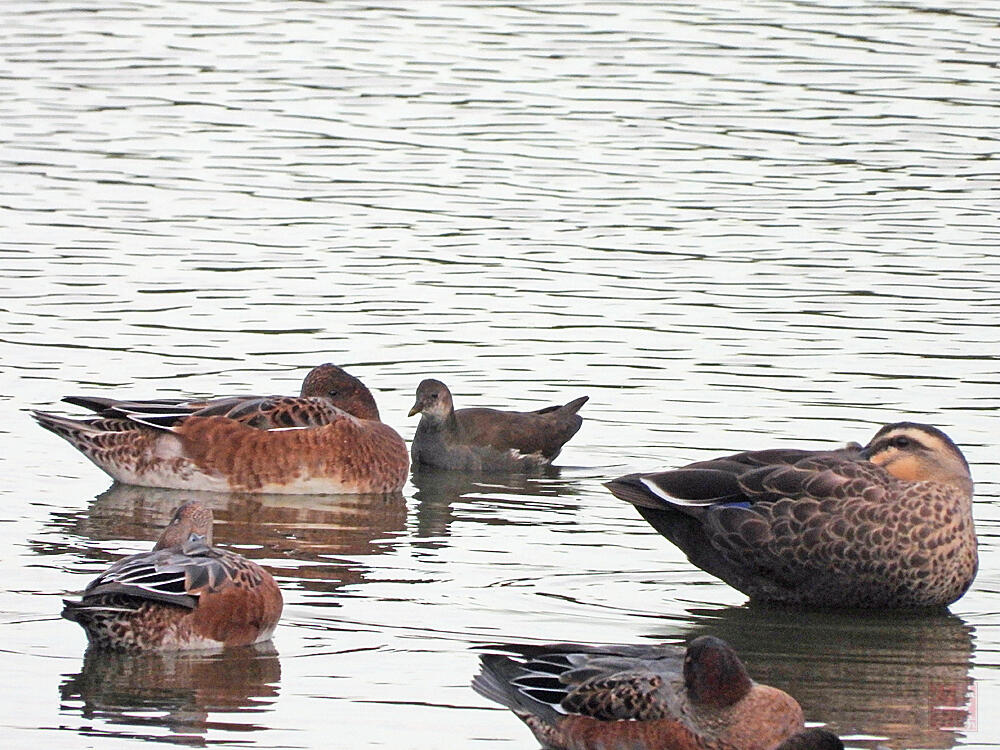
{"type": "Point", "coordinates": [742, 225]}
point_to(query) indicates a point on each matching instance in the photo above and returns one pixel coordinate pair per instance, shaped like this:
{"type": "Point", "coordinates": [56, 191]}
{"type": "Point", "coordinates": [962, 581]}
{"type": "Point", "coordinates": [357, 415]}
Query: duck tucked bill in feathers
{"type": "Point", "coordinates": [884, 526]}
{"type": "Point", "coordinates": [576, 697]}
{"type": "Point", "coordinates": [183, 594]}
{"type": "Point", "coordinates": [329, 439]}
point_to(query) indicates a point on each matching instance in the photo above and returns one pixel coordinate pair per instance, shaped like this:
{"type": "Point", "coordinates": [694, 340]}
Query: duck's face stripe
{"type": "Point", "coordinates": [914, 453]}
{"type": "Point", "coordinates": [905, 466]}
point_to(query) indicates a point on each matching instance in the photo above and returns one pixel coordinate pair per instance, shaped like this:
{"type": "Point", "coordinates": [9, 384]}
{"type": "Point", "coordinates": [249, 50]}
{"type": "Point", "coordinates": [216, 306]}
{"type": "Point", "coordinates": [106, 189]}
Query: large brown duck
{"type": "Point", "coordinates": [644, 698]}
{"type": "Point", "coordinates": [184, 594]}
{"type": "Point", "coordinates": [327, 440]}
{"type": "Point", "coordinates": [887, 525]}
{"type": "Point", "coordinates": [488, 439]}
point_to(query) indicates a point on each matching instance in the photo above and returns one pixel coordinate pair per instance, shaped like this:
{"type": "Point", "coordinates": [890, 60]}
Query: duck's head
{"type": "Point", "coordinates": [918, 453]}
{"type": "Point", "coordinates": [812, 739]}
{"type": "Point", "coordinates": [433, 400]}
{"type": "Point", "coordinates": [714, 676]}
{"type": "Point", "coordinates": [190, 520]}
{"type": "Point", "coordinates": [344, 390]}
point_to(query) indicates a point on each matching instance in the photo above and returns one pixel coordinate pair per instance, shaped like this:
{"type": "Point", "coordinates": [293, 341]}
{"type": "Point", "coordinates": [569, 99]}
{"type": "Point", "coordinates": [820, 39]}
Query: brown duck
{"type": "Point", "coordinates": [184, 594]}
{"type": "Point", "coordinates": [327, 440]}
{"type": "Point", "coordinates": [888, 525]}
{"type": "Point", "coordinates": [644, 698]}
{"type": "Point", "coordinates": [488, 439]}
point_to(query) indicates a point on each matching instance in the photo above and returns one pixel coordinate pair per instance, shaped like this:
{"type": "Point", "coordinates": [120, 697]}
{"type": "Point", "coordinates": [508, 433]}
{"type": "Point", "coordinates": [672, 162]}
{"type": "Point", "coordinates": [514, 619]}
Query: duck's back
{"type": "Point", "coordinates": [448, 447]}
{"type": "Point", "coordinates": [542, 432]}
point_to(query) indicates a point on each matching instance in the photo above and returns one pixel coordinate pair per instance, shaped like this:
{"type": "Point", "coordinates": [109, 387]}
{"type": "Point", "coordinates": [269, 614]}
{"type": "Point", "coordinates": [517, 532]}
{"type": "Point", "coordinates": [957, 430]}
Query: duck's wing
{"type": "Point", "coordinates": [261, 412]}
{"type": "Point", "coordinates": [112, 407]}
{"type": "Point", "coordinates": [571, 408]}
{"type": "Point", "coordinates": [277, 412]}
{"type": "Point", "coordinates": [818, 514]}
{"type": "Point", "coordinates": [606, 683]}
{"type": "Point", "coordinates": [177, 576]}
{"type": "Point", "coordinates": [773, 525]}
{"type": "Point", "coordinates": [752, 477]}
{"type": "Point", "coordinates": [542, 432]}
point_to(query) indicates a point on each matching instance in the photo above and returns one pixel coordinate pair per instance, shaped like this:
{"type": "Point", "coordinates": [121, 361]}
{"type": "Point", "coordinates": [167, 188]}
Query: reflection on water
{"type": "Point", "coordinates": [905, 679]}
{"type": "Point", "coordinates": [437, 492]}
{"type": "Point", "coordinates": [729, 224]}
{"type": "Point", "coordinates": [317, 535]}
{"type": "Point", "coordinates": [187, 695]}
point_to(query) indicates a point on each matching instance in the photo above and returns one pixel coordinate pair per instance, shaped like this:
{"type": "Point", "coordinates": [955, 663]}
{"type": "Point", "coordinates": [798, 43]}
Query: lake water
{"type": "Point", "coordinates": [742, 225]}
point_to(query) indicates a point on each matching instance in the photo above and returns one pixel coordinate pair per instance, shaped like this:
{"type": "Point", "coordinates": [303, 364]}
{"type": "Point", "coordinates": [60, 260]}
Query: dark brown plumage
{"type": "Point", "coordinates": [329, 439]}
{"type": "Point", "coordinates": [812, 739]}
{"type": "Point", "coordinates": [640, 697]}
{"type": "Point", "coordinates": [488, 439]}
{"type": "Point", "coordinates": [884, 526]}
{"type": "Point", "coordinates": [183, 594]}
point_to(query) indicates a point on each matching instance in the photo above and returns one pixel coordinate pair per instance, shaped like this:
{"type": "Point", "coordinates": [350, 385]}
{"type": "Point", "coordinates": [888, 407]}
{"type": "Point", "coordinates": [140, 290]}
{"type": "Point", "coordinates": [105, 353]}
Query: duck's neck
{"type": "Point", "coordinates": [364, 407]}
{"type": "Point", "coordinates": [444, 423]}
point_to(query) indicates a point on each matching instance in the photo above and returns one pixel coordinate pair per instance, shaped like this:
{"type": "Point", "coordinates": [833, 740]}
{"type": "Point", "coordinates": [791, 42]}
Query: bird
{"type": "Point", "coordinates": [327, 440]}
{"type": "Point", "coordinates": [641, 697]}
{"type": "Point", "coordinates": [816, 738]}
{"type": "Point", "coordinates": [184, 594]}
{"type": "Point", "coordinates": [488, 440]}
{"type": "Point", "coordinates": [884, 526]}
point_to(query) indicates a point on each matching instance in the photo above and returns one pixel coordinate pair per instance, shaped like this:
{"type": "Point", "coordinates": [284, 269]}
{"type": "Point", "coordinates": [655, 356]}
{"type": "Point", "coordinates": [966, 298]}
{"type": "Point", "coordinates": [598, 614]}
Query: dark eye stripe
{"type": "Point", "coordinates": [893, 441]}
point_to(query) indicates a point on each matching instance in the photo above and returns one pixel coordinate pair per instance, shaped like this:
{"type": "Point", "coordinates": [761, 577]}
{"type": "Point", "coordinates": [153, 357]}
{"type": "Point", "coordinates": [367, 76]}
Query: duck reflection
{"type": "Point", "coordinates": [437, 490]}
{"type": "Point", "coordinates": [297, 537]}
{"type": "Point", "coordinates": [902, 678]}
{"type": "Point", "coordinates": [186, 694]}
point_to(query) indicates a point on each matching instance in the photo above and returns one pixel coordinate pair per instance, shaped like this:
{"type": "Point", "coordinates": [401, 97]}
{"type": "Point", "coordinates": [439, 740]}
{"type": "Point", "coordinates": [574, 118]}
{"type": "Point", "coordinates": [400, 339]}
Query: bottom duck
{"type": "Point", "coordinates": [184, 594]}
{"type": "Point", "coordinates": [644, 698]}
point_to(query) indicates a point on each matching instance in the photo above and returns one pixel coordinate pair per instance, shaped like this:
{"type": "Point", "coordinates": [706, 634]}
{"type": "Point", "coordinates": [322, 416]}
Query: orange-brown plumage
{"type": "Point", "coordinates": [183, 594]}
{"type": "Point", "coordinates": [354, 453]}
{"type": "Point", "coordinates": [586, 733]}
{"type": "Point", "coordinates": [327, 440]}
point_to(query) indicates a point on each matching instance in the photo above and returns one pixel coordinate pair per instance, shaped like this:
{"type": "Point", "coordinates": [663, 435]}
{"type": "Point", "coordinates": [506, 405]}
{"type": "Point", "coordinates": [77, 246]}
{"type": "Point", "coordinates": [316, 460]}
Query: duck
{"type": "Point", "coordinates": [182, 595]}
{"type": "Point", "coordinates": [488, 440]}
{"type": "Point", "coordinates": [816, 738]}
{"type": "Point", "coordinates": [327, 440]}
{"type": "Point", "coordinates": [883, 526]}
{"type": "Point", "coordinates": [643, 697]}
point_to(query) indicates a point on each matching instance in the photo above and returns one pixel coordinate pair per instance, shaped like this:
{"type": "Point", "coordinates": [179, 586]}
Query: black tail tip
{"type": "Point", "coordinates": [71, 610]}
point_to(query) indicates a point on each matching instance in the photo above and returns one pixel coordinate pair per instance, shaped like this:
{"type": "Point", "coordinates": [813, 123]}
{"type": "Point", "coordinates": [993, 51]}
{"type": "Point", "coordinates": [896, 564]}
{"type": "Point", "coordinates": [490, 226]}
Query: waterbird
{"type": "Point", "coordinates": [488, 440]}
{"type": "Point", "coordinates": [886, 526]}
{"type": "Point", "coordinates": [184, 594]}
{"type": "Point", "coordinates": [646, 697]}
{"type": "Point", "coordinates": [328, 440]}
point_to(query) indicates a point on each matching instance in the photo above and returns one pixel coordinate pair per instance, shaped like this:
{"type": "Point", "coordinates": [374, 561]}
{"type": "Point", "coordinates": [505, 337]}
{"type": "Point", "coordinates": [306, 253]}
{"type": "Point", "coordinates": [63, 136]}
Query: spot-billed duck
{"type": "Point", "coordinates": [885, 526]}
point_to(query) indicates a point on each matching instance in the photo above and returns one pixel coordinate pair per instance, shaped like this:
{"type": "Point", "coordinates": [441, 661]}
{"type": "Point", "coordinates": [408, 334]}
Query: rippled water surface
{"type": "Point", "coordinates": [731, 226]}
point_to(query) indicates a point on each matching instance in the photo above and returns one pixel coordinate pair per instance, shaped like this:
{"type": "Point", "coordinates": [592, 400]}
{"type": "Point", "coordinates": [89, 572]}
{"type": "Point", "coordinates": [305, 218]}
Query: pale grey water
{"type": "Point", "coordinates": [732, 226]}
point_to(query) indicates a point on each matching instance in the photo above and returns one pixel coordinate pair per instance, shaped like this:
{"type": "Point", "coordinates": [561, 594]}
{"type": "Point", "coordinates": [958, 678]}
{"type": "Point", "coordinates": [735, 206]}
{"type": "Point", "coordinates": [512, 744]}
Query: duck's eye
{"type": "Point", "coordinates": [332, 392]}
{"type": "Point", "coordinates": [901, 441]}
